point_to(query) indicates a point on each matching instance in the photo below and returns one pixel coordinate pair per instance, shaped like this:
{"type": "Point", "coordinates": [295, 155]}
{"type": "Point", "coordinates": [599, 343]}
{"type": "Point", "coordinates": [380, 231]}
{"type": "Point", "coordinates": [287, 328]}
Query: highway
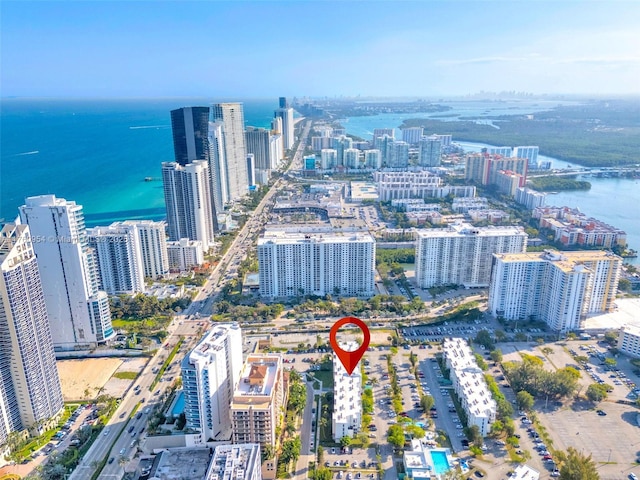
{"type": "Point", "coordinates": [123, 431]}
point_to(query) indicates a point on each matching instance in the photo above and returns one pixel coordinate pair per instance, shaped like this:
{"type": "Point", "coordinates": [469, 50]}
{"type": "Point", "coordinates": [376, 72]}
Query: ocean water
{"type": "Point", "coordinates": [96, 152]}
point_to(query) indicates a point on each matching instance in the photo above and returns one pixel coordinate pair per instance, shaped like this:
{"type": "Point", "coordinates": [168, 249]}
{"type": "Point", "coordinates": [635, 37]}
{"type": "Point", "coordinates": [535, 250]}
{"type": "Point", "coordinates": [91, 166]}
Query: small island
{"type": "Point", "coordinates": [553, 184]}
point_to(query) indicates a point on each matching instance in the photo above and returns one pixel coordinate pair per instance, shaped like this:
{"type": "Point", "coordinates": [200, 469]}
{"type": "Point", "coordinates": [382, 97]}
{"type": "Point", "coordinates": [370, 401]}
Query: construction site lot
{"type": "Point", "coordinates": [84, 379]}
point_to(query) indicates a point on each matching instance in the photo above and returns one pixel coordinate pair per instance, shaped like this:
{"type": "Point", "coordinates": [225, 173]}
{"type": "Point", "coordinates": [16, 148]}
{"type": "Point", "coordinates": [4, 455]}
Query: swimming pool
{"type": "Point", "coordinates": [440, 462]}
{"type": "Point", "coordinates": [178, 405]}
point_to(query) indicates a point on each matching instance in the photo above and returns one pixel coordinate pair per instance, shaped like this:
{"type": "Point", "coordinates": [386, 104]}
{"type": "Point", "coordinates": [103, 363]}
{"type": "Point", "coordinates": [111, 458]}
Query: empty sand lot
{"type": "Point", "coordinates": [79, 375]}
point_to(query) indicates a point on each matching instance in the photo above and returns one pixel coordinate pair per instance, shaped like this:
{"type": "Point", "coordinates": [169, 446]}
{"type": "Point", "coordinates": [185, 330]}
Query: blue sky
{"type": "Point", "coordinates": [265, 49]}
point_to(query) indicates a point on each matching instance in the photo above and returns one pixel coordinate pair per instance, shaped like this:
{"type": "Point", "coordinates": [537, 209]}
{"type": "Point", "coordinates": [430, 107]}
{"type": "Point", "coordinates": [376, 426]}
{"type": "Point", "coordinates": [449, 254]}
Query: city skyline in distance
{"type": "Point", "coordinates": [318, 48]}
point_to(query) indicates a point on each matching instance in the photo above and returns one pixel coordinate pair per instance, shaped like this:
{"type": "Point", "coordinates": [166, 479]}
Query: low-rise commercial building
{"type": "Point", "coordinates": [469, 384]}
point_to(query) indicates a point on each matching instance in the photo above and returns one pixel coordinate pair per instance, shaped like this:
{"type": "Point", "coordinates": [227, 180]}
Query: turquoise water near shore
{"type": "Point", "coordinates": [96, 152]}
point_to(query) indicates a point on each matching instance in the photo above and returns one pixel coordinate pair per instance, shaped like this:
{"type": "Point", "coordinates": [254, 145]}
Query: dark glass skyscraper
{"type": "Point", "coordinates": [190, 127]}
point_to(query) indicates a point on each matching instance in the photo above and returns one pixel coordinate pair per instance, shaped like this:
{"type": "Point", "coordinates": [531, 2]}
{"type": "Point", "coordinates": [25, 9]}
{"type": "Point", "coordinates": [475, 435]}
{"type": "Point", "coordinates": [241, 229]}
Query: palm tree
{"type": "Point", "coordinates": [122, 461]}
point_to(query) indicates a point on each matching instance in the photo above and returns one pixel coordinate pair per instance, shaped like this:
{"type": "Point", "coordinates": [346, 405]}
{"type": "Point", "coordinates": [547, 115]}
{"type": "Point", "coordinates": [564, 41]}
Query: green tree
{"type": "Point", "coordinates": [474, 435]}
{"type": "Point", "coordinates": [497, 428]}
{"type": "Point", "coordinates": [345, 441]}
{"type": "Point", "coordinates": [483, 337]}
{"type": "Point", "coordinates": [611, 337]}
{"type": "Point", "coordinates": [610, 362]}
{"type": "Point", "coordinates": [268, 452]}
{"type": "Point", "coordinates": [426, 402]}
{"type": "Point", "coordinates": [415, 431]}
{"type": "Point", "coordinates": [323, 473]}
{"type": "Point", "coordinates": [525, 400]}
{"type": "Point", "coordinates": [496, 355]}
{"type": "Point", "coordinates": [395, 436]}
{"type": "Point", "coordinates": [596, 392]}
{"type": "Point", "coordinates": [578, 466]}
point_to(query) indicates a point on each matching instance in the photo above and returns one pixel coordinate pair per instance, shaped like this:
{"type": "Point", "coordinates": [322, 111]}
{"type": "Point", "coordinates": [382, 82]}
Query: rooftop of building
{"type": "Point", "coordinates": [364, 191]}
{"type": "Point", "coordinates": [234, 462]}
{"type": "Point", "coordinates": [567, 261]}
{"type": "Point", "coordinates": [525, 472]}
{"type": "Point", "coordinates": [258, 377]}
{"type": "Point", "coordinates": [632, 329]}
{"type": "Point", "coordinates": [213, 341]}
{"type": "Point", "coordinates": [464, 229]}
{"type": "Point", "coordinates": [321, 234]}
{"type": "Point", "coordinates": [177, 464]}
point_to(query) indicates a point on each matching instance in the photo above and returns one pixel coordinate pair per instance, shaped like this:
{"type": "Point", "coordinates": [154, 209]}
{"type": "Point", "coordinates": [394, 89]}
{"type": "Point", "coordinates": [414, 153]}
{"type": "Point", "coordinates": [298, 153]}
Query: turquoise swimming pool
{"type": "Point", "coordinates": [178, 405]}
{"type": "Point", "coordinates": [440, 462]}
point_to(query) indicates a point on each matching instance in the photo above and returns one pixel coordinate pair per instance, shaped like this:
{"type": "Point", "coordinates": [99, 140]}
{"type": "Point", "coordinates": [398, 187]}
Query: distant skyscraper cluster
{"type": "Point", "coordinates": [235, 159]}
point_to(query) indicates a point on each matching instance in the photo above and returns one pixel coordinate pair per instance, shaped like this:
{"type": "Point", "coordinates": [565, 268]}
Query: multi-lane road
{"type": "Point", "coordinates": [124, 431]}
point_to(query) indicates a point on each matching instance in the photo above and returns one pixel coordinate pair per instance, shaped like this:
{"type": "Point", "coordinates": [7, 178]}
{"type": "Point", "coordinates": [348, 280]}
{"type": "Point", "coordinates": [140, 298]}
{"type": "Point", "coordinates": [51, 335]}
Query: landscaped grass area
{"type": "Point", "coordinates": [325, 376]}
{"type": "Point", "coordinates": [126, 375]}
{"type": "Point", "coordinates": [147, 327]}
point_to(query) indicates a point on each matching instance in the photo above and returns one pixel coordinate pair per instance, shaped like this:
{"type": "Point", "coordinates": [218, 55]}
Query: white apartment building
{"type": "Point", "coordinates": [184, 254]}
{"type": "Point", "coordinates": [463, 205]}
{"type": "Point", "coordinates": [530, 198]}
{"type": "Point", "coordinates": [30, 390]}
{"type": "Point", "coordinates": [119, 256]}
{"type": "Point", "coordinates": [210, 372]}
{"type": "Point", "coordinates": [218, 174]}
{"type": "Point", "coordinates": [412, 135]}
{"type": "Point", "coordinates": [415, 205]}
{"type": "Point", "coordinates": [397, 155]}
{"type": "Point", "coordinates": [416, 184]}
{"type": "Point", "coordinates": [629, 340]}
{"type": "Point", "coordinates": [559, 288]}
{"type": "Point", "coordinates": [504, 151]}
{"type": "Point", "coordinates": [373, 159]}
{"type": "Point", "coordinates": [445, 139]}
{"type": "Point", "coordinates": [78, 310]}
{"type": "Point", "coordinates": [235, 153]}
{"type": "Point", "coordinates": [347, 400]}
{"type": "Point", "coordinates": [328, 158]}
{"type": "Point", "coordinates": [288, 126]}
{"type": "Point", "coordinates": [320, 143]}
{"type": "Point", "coordinates": [338, 263]}
{"type": "Point", "coordinates": [258, 400]}
{"type": "Point", "coordinates": [153, 246]}
{"type": "Point", "coordinates": [352, 158]}
{"type": "Point", "coordinates": [469, 384]}
{"type": "Point", "coordinates": [528, 152]}
{"type": "Point", "coordinates": [187, 196]}
{"type": "Point", "coordinates": [462, 254]}
{"type": "Point", "coordinates": [235, 462]}
{"type": "Point", "coordinates": [276, 150]}
{"type": "Point", "coordinates": [429, 151]}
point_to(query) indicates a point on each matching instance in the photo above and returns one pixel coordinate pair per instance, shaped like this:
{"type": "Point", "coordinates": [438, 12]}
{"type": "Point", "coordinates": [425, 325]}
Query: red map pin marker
{"type": "Point", "coordinates": [349, 360]}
